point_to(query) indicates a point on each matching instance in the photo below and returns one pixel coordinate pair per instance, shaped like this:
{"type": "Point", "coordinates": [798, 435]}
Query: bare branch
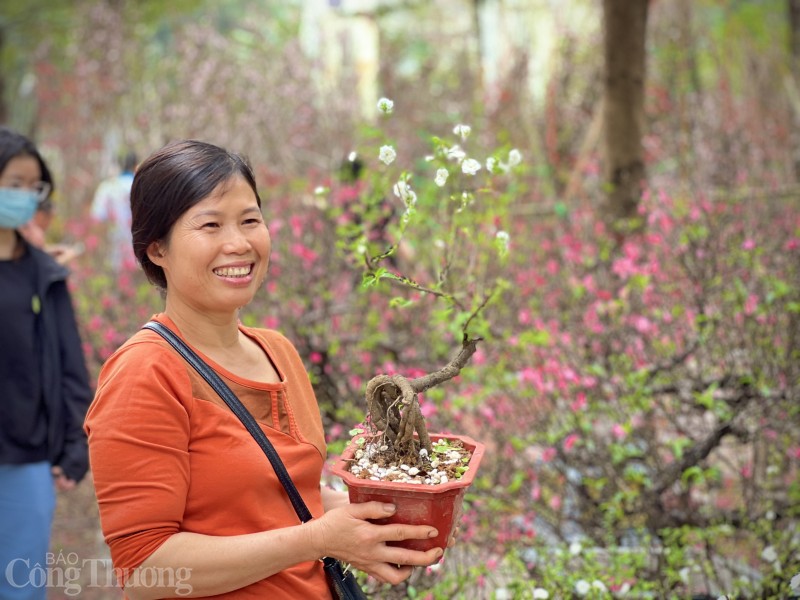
{"type": "Point", "coordinates": [691, 457]}
{"type": "Point", "coordinates": [450, 370]}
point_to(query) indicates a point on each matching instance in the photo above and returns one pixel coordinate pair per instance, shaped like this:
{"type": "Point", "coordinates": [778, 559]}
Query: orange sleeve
{"type": "Point", "coordinates": [138, 430]}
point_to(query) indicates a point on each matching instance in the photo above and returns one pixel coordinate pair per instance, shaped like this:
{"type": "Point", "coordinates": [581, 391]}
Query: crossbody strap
{"type": "Point", "coordinates": [239, 409]}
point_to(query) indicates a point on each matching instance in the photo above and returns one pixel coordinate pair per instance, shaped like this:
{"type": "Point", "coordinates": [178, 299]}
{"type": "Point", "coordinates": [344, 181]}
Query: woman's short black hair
{"type": "Point", "coordinates": [171, 181]}
{"type": "Point", "coordinates": [13, 144]}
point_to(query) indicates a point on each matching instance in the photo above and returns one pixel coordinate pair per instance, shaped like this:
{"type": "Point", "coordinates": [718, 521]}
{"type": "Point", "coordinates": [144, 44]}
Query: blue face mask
{"type": "Point", "coordinates": [17, 207]}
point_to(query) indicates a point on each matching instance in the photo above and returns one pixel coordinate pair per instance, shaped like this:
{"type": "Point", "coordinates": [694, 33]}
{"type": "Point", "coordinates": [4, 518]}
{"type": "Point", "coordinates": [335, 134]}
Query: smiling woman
{"type": "Point", "coordinates": [181, 484]}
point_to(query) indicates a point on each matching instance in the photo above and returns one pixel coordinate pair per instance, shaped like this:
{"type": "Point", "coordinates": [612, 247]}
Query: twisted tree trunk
{"type": "Point", "coordinates": [393, 406]}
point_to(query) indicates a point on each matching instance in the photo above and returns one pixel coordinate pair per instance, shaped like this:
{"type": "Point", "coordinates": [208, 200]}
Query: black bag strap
{"type": "Point", "coordinates": [239, 409]}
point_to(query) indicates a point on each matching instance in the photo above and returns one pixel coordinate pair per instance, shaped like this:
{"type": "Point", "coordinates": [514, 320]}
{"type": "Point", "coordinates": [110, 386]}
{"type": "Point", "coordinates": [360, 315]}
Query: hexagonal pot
{"type": "Point", "coordinates": [417, 504]}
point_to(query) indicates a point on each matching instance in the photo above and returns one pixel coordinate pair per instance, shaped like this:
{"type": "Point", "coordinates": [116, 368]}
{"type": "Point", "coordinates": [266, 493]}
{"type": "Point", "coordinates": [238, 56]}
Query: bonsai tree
{"type": "Point", "coordinates": [447, 200]}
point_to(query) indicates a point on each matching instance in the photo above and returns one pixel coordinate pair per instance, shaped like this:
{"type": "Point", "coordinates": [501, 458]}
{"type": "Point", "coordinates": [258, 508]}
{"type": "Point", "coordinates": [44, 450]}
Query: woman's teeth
{"type": "Point", "coordinates": [233, 271]}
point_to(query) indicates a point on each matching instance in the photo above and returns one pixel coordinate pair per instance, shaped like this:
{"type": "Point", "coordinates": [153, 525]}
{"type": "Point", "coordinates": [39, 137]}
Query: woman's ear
{"type": "Point", "coordinates": [155, 253]}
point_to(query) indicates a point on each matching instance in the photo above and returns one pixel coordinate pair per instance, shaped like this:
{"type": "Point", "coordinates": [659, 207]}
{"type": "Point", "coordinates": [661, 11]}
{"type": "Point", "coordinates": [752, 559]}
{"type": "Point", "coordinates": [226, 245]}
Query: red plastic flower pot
{"type": "Point", "coordinates": [417, 504]}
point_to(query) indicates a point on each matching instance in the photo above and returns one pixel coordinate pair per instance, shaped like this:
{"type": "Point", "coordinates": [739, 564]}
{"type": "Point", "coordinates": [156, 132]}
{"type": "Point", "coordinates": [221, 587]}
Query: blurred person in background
{"type": "Point", "coordinates": [111, 207]}
{"type": "Point", "coordinates": [43, 377]}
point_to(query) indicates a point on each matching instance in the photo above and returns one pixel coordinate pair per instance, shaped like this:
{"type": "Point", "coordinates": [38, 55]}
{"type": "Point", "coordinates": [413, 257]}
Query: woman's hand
{"type": "Point", "coordinates": [61, 481]}
{"type": "Point", "coordinates": [346, 533]}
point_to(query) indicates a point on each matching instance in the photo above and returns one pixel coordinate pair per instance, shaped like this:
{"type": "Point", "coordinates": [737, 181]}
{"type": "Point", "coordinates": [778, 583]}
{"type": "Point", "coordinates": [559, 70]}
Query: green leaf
{"type": "Point", "coordinates": [516, 482]}
{"type": "Point", "coordinates": [692, 475]}
{"type": "Point", "coordinates": [706, 398]}
{"type": "Point", "coordinates": [677, 445]}
{"type": "Point", "coordinates": [400, 302]}
{"type": "Point", "coordinates": [535, 337]}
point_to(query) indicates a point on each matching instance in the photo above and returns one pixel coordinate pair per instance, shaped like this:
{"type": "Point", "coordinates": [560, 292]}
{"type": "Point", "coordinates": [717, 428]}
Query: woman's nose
{"type": "Point", "coordinates": [236, 241]}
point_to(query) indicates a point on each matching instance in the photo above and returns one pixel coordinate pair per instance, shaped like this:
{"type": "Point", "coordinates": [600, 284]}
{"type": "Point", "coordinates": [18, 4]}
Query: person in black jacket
{"type": "Point", "coordinates": [44, 384]}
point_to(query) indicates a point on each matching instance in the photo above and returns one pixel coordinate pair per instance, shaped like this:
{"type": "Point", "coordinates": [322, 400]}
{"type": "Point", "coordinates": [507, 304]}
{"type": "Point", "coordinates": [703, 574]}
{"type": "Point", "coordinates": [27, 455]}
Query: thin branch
{"type": "Point", "coordinates": [450, 370]}
{"type": "Point", "coordinates": [404, 281]}
{"type": "Point", "coordinates": [673, 362]}
{"type": "Point", "coordinates": [691, 457]}
{"type": "Point", "coordinates": [480, 307]}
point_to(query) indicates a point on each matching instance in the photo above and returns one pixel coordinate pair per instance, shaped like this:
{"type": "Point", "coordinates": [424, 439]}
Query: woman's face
{"type": "Point", "coordinates": [217, 253]}
{"type": "Point", "coordinates": [21, 172]}
{"type": "Point", "coordinates": [22, 190]}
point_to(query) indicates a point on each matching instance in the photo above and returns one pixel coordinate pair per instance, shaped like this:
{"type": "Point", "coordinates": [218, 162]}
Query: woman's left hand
{"type": "Point", "coordinates": [61, 481]}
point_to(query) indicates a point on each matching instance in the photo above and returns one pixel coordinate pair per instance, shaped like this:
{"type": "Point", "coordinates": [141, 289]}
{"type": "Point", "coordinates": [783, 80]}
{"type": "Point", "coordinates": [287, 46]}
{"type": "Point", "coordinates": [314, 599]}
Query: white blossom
{"type": "Point", "coordinates": [502, 594]}
{"type": "Point", "coordinates": [582, 587]}
{"type": "Point", "coordinates": [491, 163]}
{"type": "Point", "coordinates": [540, 594]}
{"type": "Point", "coordinates": [320, 190]}
{"type": "Point", "coordinates": [455, 153]}
{"type": "Point", "coordinates": [514, 158]}
{"type": "Point", "coordinates": [462, 130]}
{"type": "Point", "coordinates": [352, 156]}
{"type": "Point", "coordinates": [470, 166]}
{"type": "Point", "coordinates": [599, 585]}
{"type": "Point", "coordinates": [441, 177]}
{"type": "Point", "coordinates": [795, 583]}
{"type": "Point", "coordinates": [387, 155]}
{"type": "Point", "coordinates": [403, 191]}
{"type": "Point", "coordinates": [503, 241]}
{"type": "Point", "coordinates": [769, 554]}
{"type": "Point", "coordinates": [386, 106]}
{"type": "Point", "coordinates": [575, 547]}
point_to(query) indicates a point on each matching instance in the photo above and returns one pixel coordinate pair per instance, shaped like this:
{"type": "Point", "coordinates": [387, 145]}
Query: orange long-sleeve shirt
{"type": "Point", "coordinates": [167, 455]}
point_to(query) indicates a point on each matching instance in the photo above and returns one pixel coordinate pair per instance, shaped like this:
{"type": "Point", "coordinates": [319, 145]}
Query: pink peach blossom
{"type": "Point", "coordinates": [751, 304]}
{"type": "Point", "coordinates": [579, 403]}
{"type": "Point", "coordinates": [570, 441]}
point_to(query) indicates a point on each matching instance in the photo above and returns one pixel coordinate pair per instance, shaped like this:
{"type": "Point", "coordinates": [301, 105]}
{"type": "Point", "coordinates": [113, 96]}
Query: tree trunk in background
{"type": "Point", "coordinates": [688, 103]}
{"type": "Point", "coordinates": [794, 62]}
{"type": "Point", "coordinates": [625, 27]}
{"type": "Point", "coordinates": [794, 36]}
{"type": "Point", "coordinates": [3, 105]}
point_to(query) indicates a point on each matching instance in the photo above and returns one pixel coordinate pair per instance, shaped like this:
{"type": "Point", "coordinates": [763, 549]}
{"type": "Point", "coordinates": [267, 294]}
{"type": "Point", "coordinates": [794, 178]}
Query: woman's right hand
{"type": "Point", "coordinates": [347, 534]}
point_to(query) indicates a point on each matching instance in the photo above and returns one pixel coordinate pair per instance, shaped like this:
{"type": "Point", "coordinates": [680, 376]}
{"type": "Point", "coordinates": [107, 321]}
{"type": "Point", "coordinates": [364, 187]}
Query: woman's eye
{"type": "Point", "coordinates": [210, 224]}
